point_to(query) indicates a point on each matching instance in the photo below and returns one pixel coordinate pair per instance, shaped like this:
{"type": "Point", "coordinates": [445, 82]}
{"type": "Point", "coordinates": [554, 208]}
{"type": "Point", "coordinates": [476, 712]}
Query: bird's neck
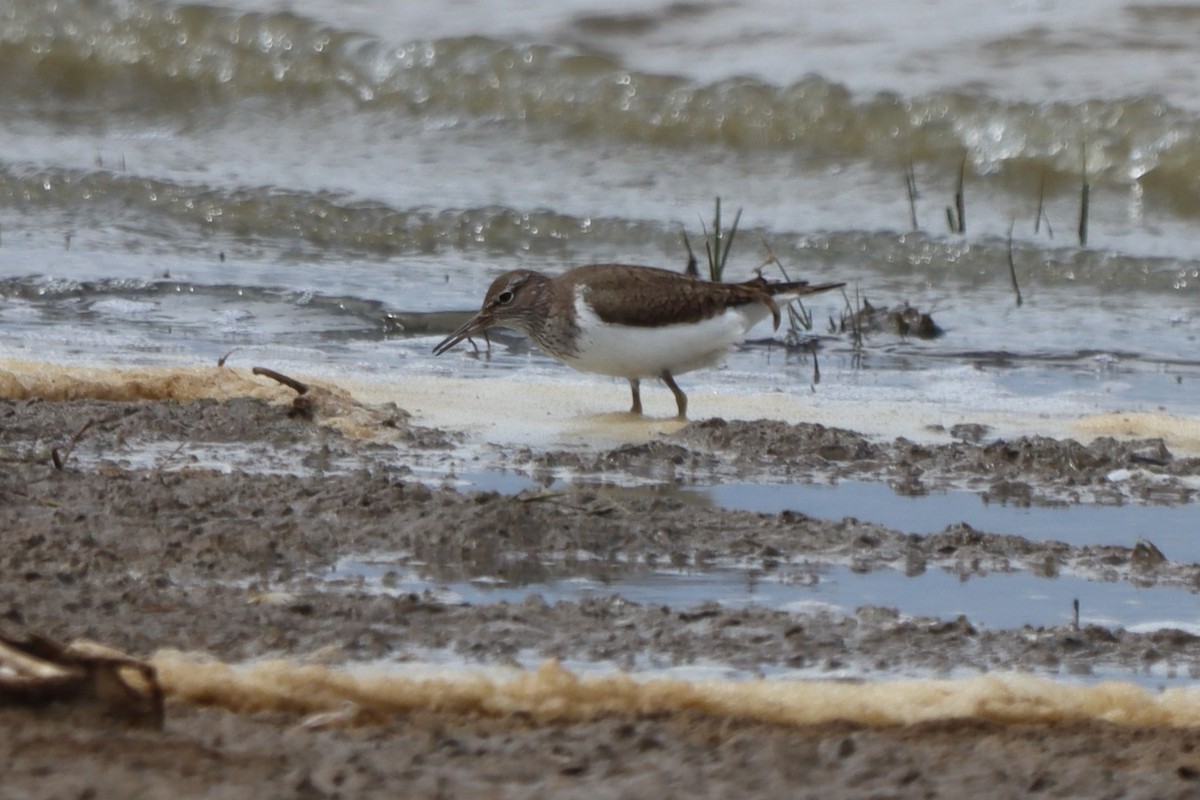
{"type": "Point", "coordinates": [554, 328]}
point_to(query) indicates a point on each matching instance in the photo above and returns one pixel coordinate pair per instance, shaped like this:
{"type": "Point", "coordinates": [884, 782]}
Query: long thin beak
{"type": "Point", "coordinates": [480, 322]}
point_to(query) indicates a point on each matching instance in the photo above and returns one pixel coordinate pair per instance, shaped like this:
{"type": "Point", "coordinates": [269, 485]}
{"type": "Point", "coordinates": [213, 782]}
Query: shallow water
{"type": "Point", "coordinates": [1029, 599]}
{"type": "Point", "coordinates": [1172, 528]}
{"type": "Point", "coordinates": [800, 589]}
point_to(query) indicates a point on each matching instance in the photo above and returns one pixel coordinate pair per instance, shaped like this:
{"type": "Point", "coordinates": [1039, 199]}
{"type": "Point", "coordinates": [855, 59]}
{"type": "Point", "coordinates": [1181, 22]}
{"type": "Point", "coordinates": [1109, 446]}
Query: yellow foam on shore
{"type": "Point", "coordinates": [23, 380]}
{"type": "Point", "coordinates": [52, 382]}
{"type": "Point", "coordinates": [554, 694]}
{"type": "Point", "coordinates": [556, 413]}
{"type": "Point", "coordinates": [1179, 433]}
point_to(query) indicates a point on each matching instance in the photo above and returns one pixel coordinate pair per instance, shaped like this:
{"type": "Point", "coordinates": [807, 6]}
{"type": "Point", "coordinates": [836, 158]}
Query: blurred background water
{"type": "Point", "coordinates": [180, 179]}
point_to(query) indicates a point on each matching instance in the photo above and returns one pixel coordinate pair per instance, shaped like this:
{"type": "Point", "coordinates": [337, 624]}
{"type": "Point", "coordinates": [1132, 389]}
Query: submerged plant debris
{"type": "Point", "coordinates": [39, 672]}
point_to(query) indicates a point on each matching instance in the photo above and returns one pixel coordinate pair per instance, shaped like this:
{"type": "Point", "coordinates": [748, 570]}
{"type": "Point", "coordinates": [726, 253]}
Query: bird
{"type": "Point", "coordinates": [629, 321]}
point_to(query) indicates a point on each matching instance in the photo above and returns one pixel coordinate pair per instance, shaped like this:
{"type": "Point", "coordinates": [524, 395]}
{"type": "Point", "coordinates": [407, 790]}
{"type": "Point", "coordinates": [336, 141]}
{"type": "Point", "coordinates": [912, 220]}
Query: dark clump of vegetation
{"type": "Point", "coordinates": [858, 319]}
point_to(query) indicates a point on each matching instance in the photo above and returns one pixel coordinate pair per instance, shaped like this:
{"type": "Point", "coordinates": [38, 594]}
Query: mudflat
{"type": "Point", "coordinates": [114, 529]}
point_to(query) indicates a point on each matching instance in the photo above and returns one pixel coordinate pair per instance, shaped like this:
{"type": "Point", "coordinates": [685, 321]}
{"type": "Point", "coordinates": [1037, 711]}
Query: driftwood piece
{"type": "Point", "coordinates": [312, 402]}
{"type": "Point", "coordinates": [39, 672]}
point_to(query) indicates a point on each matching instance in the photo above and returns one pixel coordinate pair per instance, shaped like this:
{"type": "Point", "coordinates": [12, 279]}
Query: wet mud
{"type": "Point", "coordinates": [1035, 470]}
{"type": "Point", "coordinates": [234, 562]}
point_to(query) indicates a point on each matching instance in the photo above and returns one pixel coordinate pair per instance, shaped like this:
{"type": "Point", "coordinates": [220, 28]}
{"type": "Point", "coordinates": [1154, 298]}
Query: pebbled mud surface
{"type": "Point", "coordinates": [1026, 471]}
{"type": "Point", "coordinates": [234, 563]}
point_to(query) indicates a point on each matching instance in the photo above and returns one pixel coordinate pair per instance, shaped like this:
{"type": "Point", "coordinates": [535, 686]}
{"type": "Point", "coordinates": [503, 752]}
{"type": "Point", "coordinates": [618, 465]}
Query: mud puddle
{"type": "Point", "coordinates": [1030, 602]}
{"type": "Point", "coordinates": [1173, 529]}
{"type": "Point", "coordinates": [1029, 599]}
{"type": "Point", "coordinates": [1025, 471]}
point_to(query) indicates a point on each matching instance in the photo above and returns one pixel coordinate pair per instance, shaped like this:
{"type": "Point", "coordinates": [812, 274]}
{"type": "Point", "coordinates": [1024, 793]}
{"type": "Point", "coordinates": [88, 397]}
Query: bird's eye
{"type": "Point", "coordinates": [504, 298]}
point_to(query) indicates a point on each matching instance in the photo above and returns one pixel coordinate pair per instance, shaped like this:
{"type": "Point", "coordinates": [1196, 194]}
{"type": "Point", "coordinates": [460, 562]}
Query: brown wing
{"type": "Point", "coordinates": [648, 297]}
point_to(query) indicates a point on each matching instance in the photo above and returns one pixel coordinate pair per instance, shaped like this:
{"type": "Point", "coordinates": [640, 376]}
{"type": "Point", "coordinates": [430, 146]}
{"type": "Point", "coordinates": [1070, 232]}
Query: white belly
{"type": "Point", "coordinates": [634, 352]}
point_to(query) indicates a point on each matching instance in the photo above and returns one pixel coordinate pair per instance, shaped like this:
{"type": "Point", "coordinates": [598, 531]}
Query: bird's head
{"type": "Point", "coordinates": [512, 301]}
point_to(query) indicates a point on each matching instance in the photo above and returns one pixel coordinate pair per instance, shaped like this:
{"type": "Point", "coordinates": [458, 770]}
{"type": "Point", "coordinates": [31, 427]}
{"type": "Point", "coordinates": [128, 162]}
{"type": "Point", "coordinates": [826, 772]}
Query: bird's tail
{"type": "Point", "coordinates": [788, 291]}
{"type": "Point", "coordinates": [795, 288]}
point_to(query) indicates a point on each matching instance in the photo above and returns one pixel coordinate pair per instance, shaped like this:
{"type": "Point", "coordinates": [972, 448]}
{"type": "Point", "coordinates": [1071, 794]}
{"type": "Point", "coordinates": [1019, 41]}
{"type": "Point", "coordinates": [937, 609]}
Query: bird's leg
{"type": "Point", "coordinates": [636, 386]}
{"type": "Point", "coordinates": [680, 397]}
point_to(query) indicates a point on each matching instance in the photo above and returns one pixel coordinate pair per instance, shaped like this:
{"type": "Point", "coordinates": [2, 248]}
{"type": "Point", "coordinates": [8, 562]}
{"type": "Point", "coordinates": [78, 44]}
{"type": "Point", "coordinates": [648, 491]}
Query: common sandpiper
{"type": "Point", "coordinates": [630, 322]}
